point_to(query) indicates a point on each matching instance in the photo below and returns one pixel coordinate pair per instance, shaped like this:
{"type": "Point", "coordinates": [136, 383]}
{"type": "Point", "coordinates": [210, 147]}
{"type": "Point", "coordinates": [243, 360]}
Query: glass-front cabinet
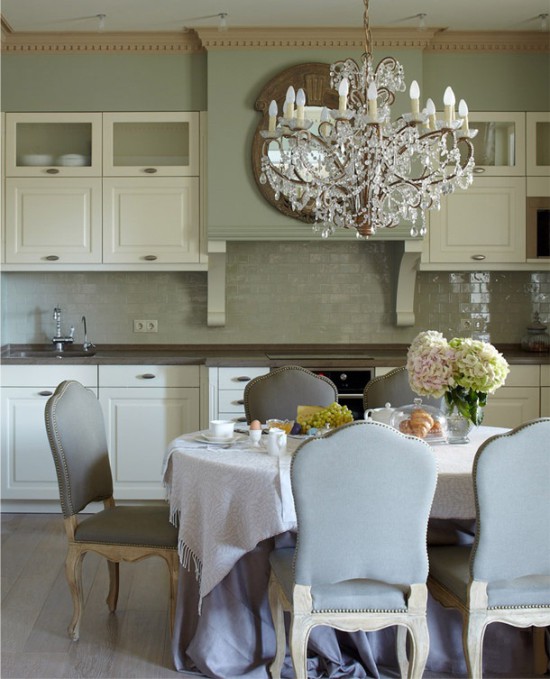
{"type": "Point", "coordinates": [53, 144]}
{"type": "Point", "coordinates": [538, 144]}
{"type": "Point", "coordinates": [499, 146]}
{"type": "Point", "coordinates": [151, 144]}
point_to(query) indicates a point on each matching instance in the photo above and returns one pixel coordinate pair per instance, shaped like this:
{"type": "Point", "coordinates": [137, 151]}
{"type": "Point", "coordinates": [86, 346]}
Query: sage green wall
{"type": "Point", "coordinates": [324, 291]}
{"type": "Point", "coordinates": [104, 82]}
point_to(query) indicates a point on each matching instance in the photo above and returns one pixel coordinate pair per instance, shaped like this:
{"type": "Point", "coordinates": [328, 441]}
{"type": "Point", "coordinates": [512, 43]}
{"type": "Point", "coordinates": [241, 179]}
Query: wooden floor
{"type": "Point", "coordinates": [37, 608]}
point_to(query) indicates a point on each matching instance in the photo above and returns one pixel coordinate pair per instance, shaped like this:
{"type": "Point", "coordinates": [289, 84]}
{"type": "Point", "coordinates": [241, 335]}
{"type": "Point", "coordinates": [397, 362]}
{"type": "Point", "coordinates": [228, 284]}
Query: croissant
{"type": "Point", "coordinates": [420, 424]}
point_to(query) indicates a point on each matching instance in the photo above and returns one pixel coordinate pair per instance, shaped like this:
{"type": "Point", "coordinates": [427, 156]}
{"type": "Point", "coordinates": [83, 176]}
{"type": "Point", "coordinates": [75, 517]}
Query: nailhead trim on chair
{"type": "Point", "coordinates": [498, 608]}
{"type": "Point", "coordinates": [359, 610]}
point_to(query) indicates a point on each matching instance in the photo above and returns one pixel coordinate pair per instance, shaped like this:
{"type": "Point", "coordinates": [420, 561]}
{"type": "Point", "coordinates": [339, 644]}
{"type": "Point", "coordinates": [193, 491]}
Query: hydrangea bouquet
{"type": "Point", "coordinates": [463, 370]}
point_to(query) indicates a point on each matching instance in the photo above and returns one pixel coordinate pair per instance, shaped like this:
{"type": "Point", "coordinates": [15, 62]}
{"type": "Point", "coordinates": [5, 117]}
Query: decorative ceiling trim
{"type": "Point", "coordinates": [430, 40]}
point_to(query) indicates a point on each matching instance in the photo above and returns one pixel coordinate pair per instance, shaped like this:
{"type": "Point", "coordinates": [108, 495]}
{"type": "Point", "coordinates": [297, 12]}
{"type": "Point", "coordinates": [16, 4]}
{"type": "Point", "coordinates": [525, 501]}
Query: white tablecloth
{"type": "Point", "coordinates": [227, 500]}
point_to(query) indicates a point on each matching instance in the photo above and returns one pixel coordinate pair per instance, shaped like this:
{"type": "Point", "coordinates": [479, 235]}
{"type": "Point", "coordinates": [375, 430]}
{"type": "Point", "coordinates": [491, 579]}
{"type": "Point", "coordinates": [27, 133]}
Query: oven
{"type": "Point", "coordinates": [350, 383]}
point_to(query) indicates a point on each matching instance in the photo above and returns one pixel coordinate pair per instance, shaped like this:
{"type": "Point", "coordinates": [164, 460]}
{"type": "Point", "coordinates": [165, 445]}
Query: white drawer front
{"type": "Point", "coordinates": [47, 375]}
{"type": "Point", "coordinates": [231, 401]}
{"type": "Point", "coordinates": [149, 375]}
{"type": "Point", "coordinates": [234, 378]}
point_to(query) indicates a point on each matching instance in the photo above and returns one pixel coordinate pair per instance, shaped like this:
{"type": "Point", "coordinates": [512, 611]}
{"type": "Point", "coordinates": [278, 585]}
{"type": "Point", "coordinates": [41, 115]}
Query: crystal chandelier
{"type": "Point", "coordinates": [355, 168]}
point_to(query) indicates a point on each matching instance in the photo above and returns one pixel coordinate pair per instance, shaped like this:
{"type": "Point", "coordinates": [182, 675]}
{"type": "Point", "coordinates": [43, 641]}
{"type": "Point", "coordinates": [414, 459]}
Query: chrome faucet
{"type": "Point", "coordinates": [59, 340]}
{"type": "Point", "coordinates": [87, 345]}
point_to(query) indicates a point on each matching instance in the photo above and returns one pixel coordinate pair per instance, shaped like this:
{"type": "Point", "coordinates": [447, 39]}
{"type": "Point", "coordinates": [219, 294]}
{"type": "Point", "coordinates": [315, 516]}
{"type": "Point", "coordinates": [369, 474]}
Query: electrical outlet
{"type": "Point", "coordinates": [146, 326]}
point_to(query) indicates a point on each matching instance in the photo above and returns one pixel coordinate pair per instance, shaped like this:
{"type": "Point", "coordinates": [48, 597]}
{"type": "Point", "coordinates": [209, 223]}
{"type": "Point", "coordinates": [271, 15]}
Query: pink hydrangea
{"type": "Point", "coordinates": [430, 361]}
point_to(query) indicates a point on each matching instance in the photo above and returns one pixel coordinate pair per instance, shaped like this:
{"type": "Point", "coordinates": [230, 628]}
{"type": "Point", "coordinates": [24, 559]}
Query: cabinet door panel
{"type": "Point", "coordinates": [140, 423]}
{"type": "Point", "coordinates": [28, 470]}
{"type": "Point", "coordinates": [511, 406]}
{"type": "Point", "coordinates": [151, 218]}
{"type": "Point", "coordinates": [53, 218]}
{"type": "Point", "coordinates": [487, 221]}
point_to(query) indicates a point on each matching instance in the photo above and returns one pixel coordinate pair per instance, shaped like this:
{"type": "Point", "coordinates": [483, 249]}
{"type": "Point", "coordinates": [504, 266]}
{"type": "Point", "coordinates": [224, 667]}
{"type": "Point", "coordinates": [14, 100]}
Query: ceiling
{"type": "Point", "coordinates": [174, 15]}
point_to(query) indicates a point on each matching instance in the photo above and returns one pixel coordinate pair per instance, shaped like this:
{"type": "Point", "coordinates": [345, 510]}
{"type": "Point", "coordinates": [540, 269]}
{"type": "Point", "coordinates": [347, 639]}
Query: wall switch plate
{"type": "Point", "coordinates": [146, 326]}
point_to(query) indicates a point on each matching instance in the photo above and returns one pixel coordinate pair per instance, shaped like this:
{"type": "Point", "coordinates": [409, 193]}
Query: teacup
{"type": "Point", "coordinates": [222, 429]}
{"type": "Point", "coordinates": [276, 442]}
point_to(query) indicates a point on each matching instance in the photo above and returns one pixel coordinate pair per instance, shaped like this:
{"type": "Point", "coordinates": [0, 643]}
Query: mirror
{"type": "Point", "coordinates": [314, 79]}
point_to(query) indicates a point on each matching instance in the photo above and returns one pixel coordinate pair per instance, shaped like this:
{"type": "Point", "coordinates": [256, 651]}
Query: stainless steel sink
{"type": "Point", "coordinates": [50, 353]}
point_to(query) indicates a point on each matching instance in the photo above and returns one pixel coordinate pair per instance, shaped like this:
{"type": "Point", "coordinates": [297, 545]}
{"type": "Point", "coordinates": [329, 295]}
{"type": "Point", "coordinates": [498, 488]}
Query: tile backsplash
{"type": "Point", "coordinates": [304, 292]}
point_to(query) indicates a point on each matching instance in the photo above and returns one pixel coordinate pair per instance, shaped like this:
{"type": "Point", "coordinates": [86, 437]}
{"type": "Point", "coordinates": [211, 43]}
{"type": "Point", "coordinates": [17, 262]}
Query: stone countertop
{"type": "Point", "coordinates": [227, 355]}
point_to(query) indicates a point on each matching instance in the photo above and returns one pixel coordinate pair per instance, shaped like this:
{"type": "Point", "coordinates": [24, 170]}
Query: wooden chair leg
{"type": "Point", "coordinates": [540, 661]}
{"type": "Point", "coordinates": [173, 572]}
{"type": "Point", "coordinates": [472, 638]}
{"type": "Point", "coordinates": [112, 597]}
{"type": "Point", "coordinates": [402, 659]}
{"type": "Point", "coordinates": [299, 634]}
{"type": "Point", "coordinates": [279, 625]}
{"type": "Point", "coordinates": [420, 647]}
{"type": "Point", "coordinates": [73, 573]}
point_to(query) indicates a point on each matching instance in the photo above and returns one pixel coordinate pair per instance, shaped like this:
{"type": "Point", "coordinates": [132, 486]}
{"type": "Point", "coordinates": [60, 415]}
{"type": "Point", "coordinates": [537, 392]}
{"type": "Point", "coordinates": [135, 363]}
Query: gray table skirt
{"type": "Point", "coordinates": [234, 637]}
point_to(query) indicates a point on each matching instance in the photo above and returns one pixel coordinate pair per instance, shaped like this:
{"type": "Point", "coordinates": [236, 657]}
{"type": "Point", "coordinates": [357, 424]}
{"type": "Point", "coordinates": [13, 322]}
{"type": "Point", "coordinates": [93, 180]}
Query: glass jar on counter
{"type": "Point", "coordinates": [536, 338]}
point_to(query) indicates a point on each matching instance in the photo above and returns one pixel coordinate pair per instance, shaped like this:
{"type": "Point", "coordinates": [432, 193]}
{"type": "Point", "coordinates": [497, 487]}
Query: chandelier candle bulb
{"type": "Point", "coordinates": [372, 96]}
{"type": "Point", "coordinates": [272, 116]}
{"type": "Point", "coordinates": [300, 103]}
{"type": "Point", "coordinates": [449, 103]}
{"type": "Point", "coordinates": [343, 90]}
{"type": "Point", "coordinates": [414, 93]}
{"type": "Point", "coordinates": [463, 113]}
{"type": "Point", "coordinates": [289, 103]}
{"type": "Point", "coordinates": [430, 110]}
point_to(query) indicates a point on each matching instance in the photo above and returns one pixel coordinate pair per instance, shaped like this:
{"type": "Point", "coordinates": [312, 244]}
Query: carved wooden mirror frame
{"type": "Point", "coordinates": [314, 78]}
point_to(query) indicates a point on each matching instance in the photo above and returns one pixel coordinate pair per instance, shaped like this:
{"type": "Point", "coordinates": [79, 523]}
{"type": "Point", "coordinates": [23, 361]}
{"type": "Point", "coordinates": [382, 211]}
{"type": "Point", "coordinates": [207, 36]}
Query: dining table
{"type": "Point", "coordinates": [233, 504]}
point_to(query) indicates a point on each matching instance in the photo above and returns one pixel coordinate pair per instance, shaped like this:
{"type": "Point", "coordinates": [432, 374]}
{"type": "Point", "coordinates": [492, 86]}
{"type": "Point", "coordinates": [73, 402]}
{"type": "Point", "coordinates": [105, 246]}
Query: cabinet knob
{"type": "Point", "coordinates": [51, 258]}
{"type": "Point", "coordinates": [148, 376]}
{"type": "Point", "coordinates": [52, 170]}
{"type": "Point", "coordinates": [479, 170]}
{"type": "Point", "coordinates": [150, 170]}
{"type": "Point", "coordinates": [240, 402]}
{"type": "Point", "coordinates": [478, 258]}
{"type": "Point", "coordinates": [243, 378]}
{"type": "Point", "coordinates": [150, 258]}
{"type": "Point", "coordinates": [45, 393]}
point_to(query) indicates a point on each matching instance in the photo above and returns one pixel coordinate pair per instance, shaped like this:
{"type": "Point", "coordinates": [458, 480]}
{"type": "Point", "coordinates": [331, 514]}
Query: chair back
{"type": "Point", "coordinates": [394, 388]}
{"type": "Point", "coordinates": [279, 393]}
{"type": "Point", "coordinates": [76, 432]}
{"type": "Point", "coordinates": [512, 491]}
{"type": "Point", "coordinates": [363, 495]}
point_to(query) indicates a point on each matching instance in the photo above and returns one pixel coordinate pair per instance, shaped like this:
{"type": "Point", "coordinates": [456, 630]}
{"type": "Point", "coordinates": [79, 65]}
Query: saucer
{"type": "Point", "coordinates": [210, 438]}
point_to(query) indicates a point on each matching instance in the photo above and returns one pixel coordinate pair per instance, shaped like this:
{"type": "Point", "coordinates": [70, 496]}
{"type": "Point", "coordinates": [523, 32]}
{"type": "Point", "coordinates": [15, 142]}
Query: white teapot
{"type": "Point", "coordinates": [380, 414]}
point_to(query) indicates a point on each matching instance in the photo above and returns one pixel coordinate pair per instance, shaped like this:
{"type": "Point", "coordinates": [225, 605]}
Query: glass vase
{"type": "Point", "coordinates": [458, 427]}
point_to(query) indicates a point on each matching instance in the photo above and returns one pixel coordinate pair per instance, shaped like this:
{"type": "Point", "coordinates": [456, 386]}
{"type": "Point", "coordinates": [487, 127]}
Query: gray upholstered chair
{"type": "Point", "coordinates": [394, 388]}
{"type": "Point", "coordinates": [505, 575]}
{"type": "Point", "coordinates": [76, 432]}
{"type": "Point", "coordinates": [361, 558]}
{"type": "Point", "coordinates": [278, 393]}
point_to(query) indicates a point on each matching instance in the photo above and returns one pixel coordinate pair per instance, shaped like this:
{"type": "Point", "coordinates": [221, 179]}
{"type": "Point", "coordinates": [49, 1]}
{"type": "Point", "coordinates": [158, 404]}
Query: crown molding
{"type": "Point", "coordinates": [190, 40]}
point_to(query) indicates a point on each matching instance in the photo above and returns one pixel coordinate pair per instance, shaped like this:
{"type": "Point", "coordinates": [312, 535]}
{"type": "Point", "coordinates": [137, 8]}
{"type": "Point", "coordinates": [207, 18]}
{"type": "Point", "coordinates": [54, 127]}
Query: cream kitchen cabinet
{"type": "Point", "coordinates": [538, 144]}
{"type": "Point", "coordinates": [145, 407]}
{"type": "Point", "coordinates": [28, 471]}
{"type": "Point", "coordinates": [478, 228]}
{"type": "Point", "coordinates": [499, 146]}
{"type": "Point", "coordinates": [104, 191]}
{"type": "Point", "coordinates": [226, 391]}
{"type": "Point", "coordinates": [53, 188]}
{"type": "Point", "coordinates": [151, 219]}
{"type": "Point", "coordinates": [517, 401]}
{"type": "Point", "coordinates": [53, 221]}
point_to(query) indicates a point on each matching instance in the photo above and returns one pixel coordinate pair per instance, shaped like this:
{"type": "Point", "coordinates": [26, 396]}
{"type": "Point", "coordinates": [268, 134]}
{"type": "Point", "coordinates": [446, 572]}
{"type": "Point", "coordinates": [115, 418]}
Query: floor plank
{"type": "Point", "coordinates": [37, 608]}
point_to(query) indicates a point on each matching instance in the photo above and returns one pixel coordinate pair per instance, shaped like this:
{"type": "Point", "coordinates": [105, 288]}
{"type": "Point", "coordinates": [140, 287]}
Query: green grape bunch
{"type": "Point", "coordinates": [333, 416]}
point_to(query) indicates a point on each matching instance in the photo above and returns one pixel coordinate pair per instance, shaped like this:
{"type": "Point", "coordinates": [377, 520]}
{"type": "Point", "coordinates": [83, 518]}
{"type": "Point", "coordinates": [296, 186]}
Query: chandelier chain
{"type": "Point", "coordinates": [366, 26]}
